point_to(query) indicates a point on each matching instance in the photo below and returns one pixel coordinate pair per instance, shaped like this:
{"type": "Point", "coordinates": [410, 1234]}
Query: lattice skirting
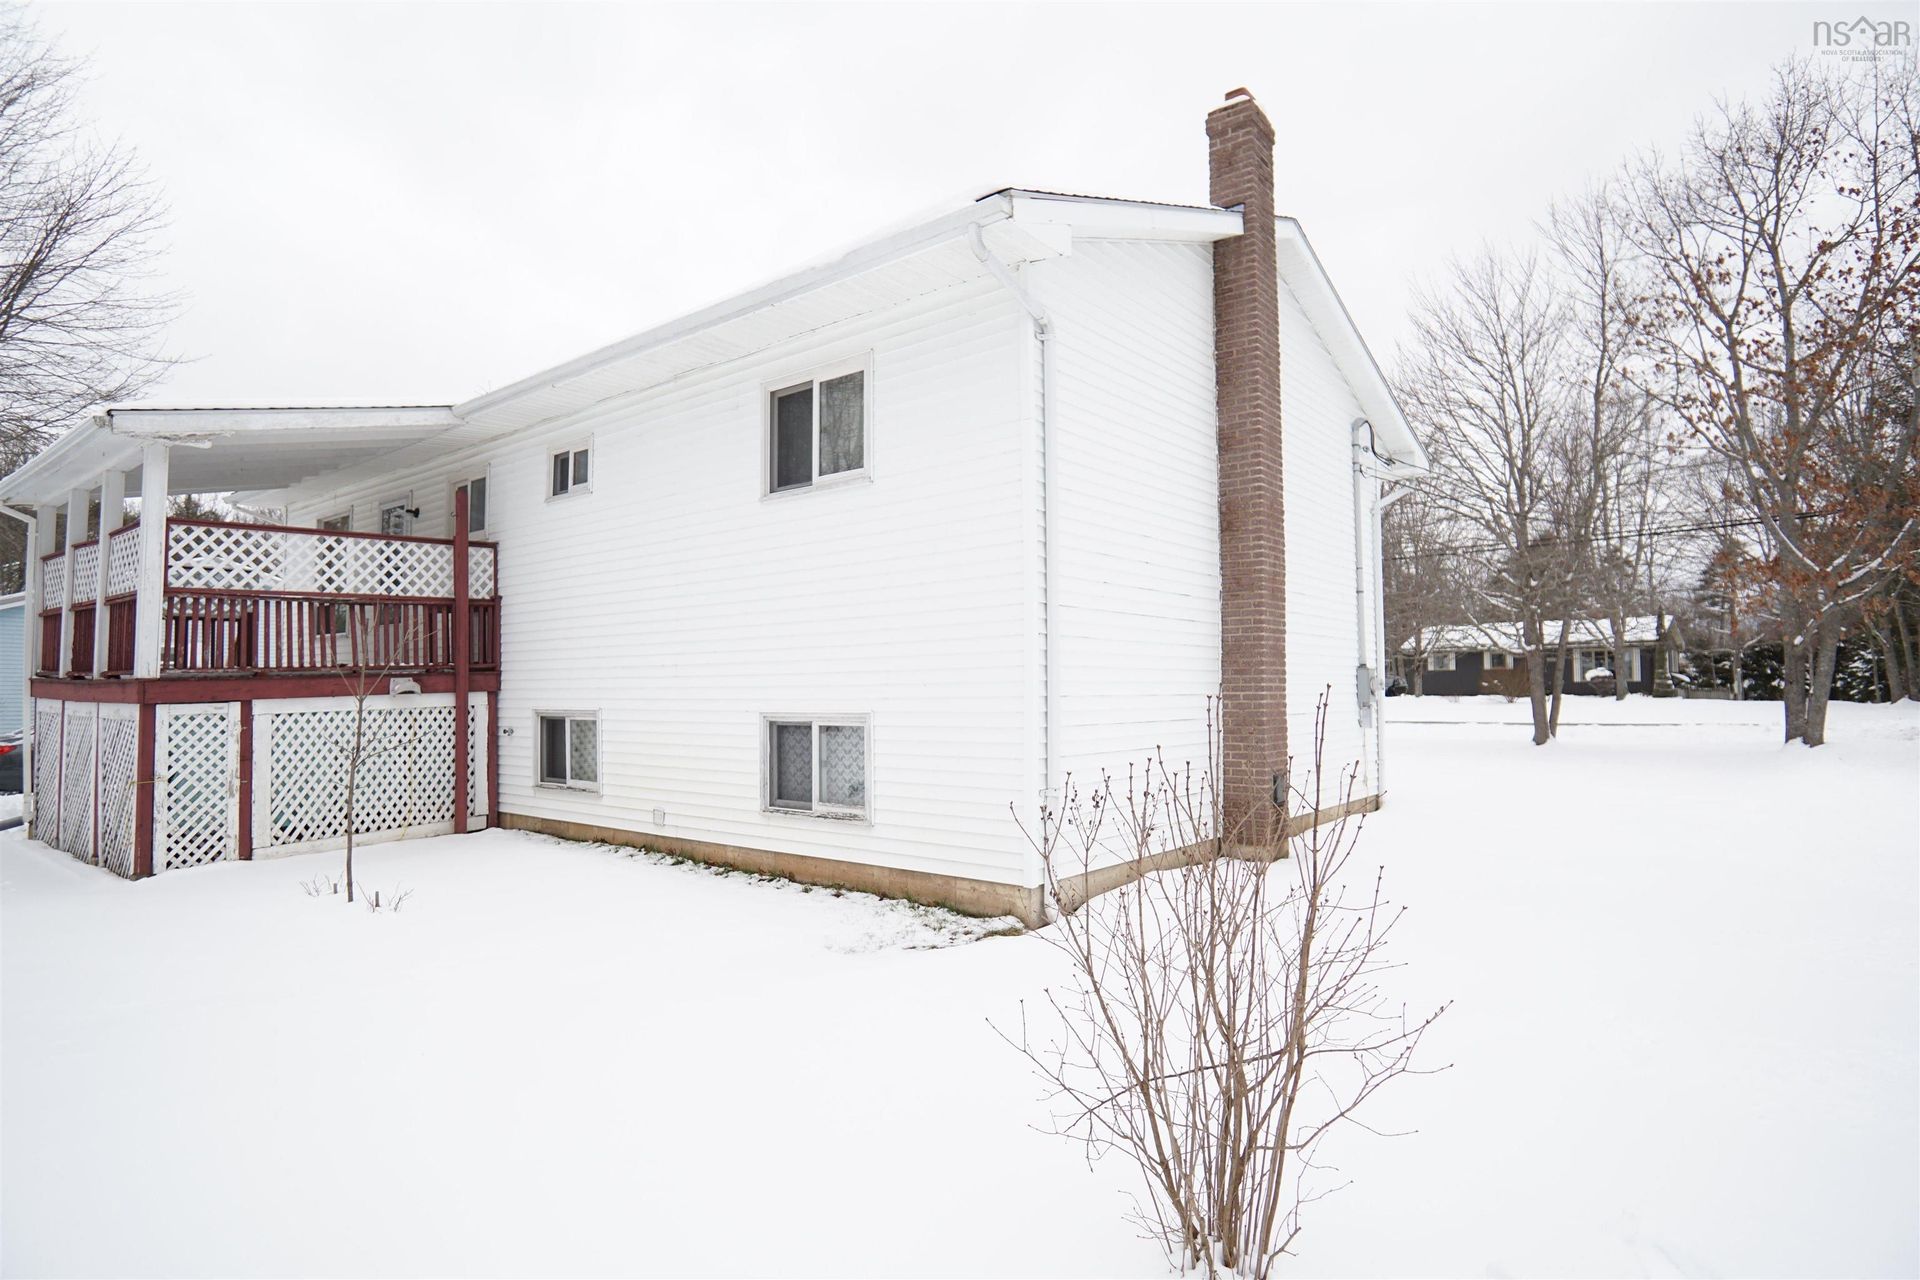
{"type": "Point", "coordinates": [196, 799]}
{"type": "Point", "coordinates": [403, 787]}
{"type": "Point", "coordinates": [47, 722]}
{"type": "Point", "coordinates": [86, 789]}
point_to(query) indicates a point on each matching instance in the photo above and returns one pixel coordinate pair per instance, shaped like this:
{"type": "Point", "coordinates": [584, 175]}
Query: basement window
{"type": "Point", "coordinates": [569, 750]}
{"type": "Point", "coordinates": [570, 470]}
{"type": "Point", "coordinates": [817, 429]}
{"type": "Point", "coordinates": [818, 766]}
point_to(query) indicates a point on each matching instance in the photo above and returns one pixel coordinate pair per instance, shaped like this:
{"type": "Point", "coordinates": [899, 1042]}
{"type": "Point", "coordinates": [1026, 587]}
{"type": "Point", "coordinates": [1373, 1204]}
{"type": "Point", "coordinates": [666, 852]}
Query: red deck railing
{"type": "Point", "coordinates": [205, 631]}
{"type": "Point", "coordinates": [244, 599]}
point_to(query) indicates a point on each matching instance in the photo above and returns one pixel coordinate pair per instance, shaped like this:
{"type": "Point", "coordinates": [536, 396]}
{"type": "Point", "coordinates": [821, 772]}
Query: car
{"type": "Point", "coordinates": [1396, 687]}
{"type": "Point", "coordinates": [10, 757]}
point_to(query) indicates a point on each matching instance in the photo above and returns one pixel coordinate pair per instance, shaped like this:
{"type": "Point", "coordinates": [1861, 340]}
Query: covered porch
{"type": "Point", "coordinates": [192, 683]}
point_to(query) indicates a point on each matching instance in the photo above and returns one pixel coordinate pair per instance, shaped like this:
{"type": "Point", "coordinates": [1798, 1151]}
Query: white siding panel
{"type": "Point", "coordinates": [1322, 644]}
{"type": "Point", "coordinates": [682, 605]}
{"type": "Point", "coordinates": [1136, 550]}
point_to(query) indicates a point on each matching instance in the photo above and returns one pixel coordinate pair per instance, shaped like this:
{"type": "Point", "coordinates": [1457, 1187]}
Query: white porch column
{"type": "Point", "coordinates": [44, 543]}
{"type": "Point", "coordinates": [77, 500]}
{"type": "Point", "coordinates": [113, 511]}
{"type": "Point", "coordinates": [153, 560]}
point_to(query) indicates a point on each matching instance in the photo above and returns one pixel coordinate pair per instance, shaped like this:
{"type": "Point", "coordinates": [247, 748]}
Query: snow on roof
{"type": "Point", "coordinates": [1505, 636]}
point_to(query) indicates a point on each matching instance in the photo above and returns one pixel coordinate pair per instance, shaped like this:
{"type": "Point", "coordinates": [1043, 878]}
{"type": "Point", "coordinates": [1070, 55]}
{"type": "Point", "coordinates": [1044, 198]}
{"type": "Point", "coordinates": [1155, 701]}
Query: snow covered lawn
{"type": "Point", "coordinates": [1686, 1037]}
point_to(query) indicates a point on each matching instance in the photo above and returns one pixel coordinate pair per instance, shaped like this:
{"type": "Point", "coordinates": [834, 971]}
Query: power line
{"type": "Point", "coordinates": [1666, 531]}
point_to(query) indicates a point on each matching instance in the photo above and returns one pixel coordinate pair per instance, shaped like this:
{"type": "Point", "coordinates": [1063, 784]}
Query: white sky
{"type": "Point", "coordinates": [416, 203]}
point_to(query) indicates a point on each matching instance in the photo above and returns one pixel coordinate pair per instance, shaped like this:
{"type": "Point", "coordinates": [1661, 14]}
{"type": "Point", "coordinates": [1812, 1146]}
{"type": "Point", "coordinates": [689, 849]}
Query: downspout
{"type": "Point", "coordinates": [1043, 334]}
{"type": "Point", "coordinates": [29, 637]}
{"type": "Point", "coordinates": [1369, 683]}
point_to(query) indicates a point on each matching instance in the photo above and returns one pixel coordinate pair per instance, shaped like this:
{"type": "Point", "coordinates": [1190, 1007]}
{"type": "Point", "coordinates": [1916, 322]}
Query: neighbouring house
{"type": "Point", "coordinates": [13, 610]}
{"type": "Point", "coordinates": [838, 579]}
{"type": "Point", "coordinates": [1473, 658]}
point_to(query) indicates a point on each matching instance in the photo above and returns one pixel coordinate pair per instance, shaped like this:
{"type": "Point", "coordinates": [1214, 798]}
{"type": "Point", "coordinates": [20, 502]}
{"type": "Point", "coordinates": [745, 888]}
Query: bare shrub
{"type": "Point", "coordinates": [1225, 1015]}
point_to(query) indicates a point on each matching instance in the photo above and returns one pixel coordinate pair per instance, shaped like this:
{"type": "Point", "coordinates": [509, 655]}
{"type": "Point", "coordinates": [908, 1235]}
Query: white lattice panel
{"type": "Point", "coordinates": [46, 770]}
{"type": "Point", "coordinates": [119, 754]}
{"type": "Point", "coordinates": [195, 801]}
{"type": "Point", "coordinates": [53, 581]}
{"type": "Point", "coordinates": [123, 561]}
{"type": "Point", "coordinates": [482, 579]}
{"type": "Point", "coordinates": [249, 558]}
{"type": "Point", "coordinates": [86, 571]}
{"type": "Point", "coordinates": [405, 780]}
{"type": "Point", "coordinates": [76, 782]}
{"type": "Point", "coordinates": [477, 748]}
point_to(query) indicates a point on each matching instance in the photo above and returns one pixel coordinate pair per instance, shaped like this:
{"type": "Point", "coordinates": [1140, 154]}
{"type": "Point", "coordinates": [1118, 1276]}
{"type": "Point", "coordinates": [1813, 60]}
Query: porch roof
{"type": "Point", "coordinates": [220, 449]}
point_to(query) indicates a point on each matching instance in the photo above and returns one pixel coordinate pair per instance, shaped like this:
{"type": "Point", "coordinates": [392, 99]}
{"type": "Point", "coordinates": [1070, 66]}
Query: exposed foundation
{"type": "Point", "coordinates": [956, 893]}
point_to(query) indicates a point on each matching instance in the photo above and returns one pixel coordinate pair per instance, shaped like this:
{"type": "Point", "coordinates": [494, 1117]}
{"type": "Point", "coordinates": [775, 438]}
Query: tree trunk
{"type": "Point", "coordinates": [1793, 681]}
{"type": "Point", "coordinates": [1537, 683]}
{"type": "Point", "coordinates": [1739, 690]}
{"type": "Point", "coordinates": [353, 772]}
{"type": "Point", "coordinates": [1821, 692]}
{"type": "Point", "coordinates": [1559, 684]}
{"type": "Point", "coordinates": [1909, 686]}
{"type": "Point", "coordinates": [1620, 657]}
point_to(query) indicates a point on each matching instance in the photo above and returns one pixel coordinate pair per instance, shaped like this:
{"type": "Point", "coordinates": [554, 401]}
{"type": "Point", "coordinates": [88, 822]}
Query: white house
{"type": "Point", "coordinates": [837, 578]}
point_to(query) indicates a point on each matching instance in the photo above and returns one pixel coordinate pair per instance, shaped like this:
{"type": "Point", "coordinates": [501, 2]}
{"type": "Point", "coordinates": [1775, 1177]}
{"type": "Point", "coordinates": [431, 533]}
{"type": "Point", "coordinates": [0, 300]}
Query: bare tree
{"type": "Point", "coordinates": [1782, 256]}
{"type": "Point", "coordinates": [1226, 1014]}
{"type": "Point", "coordinates": [383, 650]}
{"type": "Point", "coordinates": [1614, 497]}
{"type": "Point", "coordinates": [1485, 380]}
{"type": "Point", "coordinates": [1424, 580]}
{"type": "Point", "coordinates": [80, 325]}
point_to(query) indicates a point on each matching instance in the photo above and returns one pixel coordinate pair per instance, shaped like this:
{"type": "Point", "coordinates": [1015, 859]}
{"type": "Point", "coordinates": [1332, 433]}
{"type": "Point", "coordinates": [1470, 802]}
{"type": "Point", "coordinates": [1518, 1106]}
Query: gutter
{"type": "Point", "coordinates": [1043, 333]}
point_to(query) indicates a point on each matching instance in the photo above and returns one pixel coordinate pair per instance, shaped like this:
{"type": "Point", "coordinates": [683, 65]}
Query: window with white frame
{"type": "Point", "coordinates": [1496, 660]}
{"type": "Point", "coordinates": [569, 751]}
{"type": "Point", "coordinates": [817, 766]}
{"type": "Point", "coordinates": [1440, 660]}
{"type": "Point", "coordinates": [817, 428]}
{"type": "Point", "coordinates": [476, 491]}
{"type": "Point", "coordinates": [570, 470]}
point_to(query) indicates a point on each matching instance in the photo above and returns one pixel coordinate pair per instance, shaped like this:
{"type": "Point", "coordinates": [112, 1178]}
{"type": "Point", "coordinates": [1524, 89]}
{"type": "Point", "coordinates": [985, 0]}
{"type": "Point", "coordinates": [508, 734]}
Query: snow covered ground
{"type": "Point", "coordinates": [1685, 962]}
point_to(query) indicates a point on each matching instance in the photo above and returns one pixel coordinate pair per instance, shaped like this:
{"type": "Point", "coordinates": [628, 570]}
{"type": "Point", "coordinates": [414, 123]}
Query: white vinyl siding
{"type": "Point", "coordinates": [1323, 646]}
{"type": "Point", "coordinates": [1136, 552]}
{"type": "Point", "coordinates": [693, 606]}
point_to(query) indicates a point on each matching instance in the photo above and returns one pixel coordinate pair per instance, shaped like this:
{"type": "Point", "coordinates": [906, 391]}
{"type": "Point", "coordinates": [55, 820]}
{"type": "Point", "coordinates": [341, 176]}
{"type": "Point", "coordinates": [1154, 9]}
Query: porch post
{"type": "Point", "coordinates": [143, 784]}
{"type": "Point", "coordinates": [39, 534]}
{"type": "Point", "coordinates": [148, 605]}
{"type": "Point", "coordinates": [462, 660]}
{"type": "Point", "coordinates": [113, 511]}
{"type": "Point", "coordinates": [45, 542]}
{"type": "Point", "coordinates": [77, 500]}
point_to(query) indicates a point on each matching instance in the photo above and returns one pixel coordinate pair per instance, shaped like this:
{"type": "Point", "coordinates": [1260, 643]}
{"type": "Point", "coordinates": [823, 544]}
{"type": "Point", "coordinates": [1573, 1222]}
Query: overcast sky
{"type": "Point", "coordinates": [415, 203]}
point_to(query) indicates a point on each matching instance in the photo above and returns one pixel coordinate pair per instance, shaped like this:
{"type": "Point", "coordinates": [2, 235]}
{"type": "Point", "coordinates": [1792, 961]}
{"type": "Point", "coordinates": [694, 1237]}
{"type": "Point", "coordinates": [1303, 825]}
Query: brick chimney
{"type": "Point", "coordinates": [1253, 536]}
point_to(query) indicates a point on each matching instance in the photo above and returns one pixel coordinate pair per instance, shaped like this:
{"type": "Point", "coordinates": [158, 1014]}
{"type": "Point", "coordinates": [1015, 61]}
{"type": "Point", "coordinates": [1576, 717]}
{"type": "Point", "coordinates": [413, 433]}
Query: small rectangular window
{"type": "Point", "coordinates": [817, 430]}
{"type": "Point", "coordinates": [1496, 660]}
{"type": "Point", "coordinates": [817, 766]}
{"type": "Point", "coordinates": [569, 751]}
{"type": "Point", "coordinates": [1440, 660]}
{"type": "Point", "coordinates": [572, 471]}
{"type": "Point", "coordinates": [476, 491]}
